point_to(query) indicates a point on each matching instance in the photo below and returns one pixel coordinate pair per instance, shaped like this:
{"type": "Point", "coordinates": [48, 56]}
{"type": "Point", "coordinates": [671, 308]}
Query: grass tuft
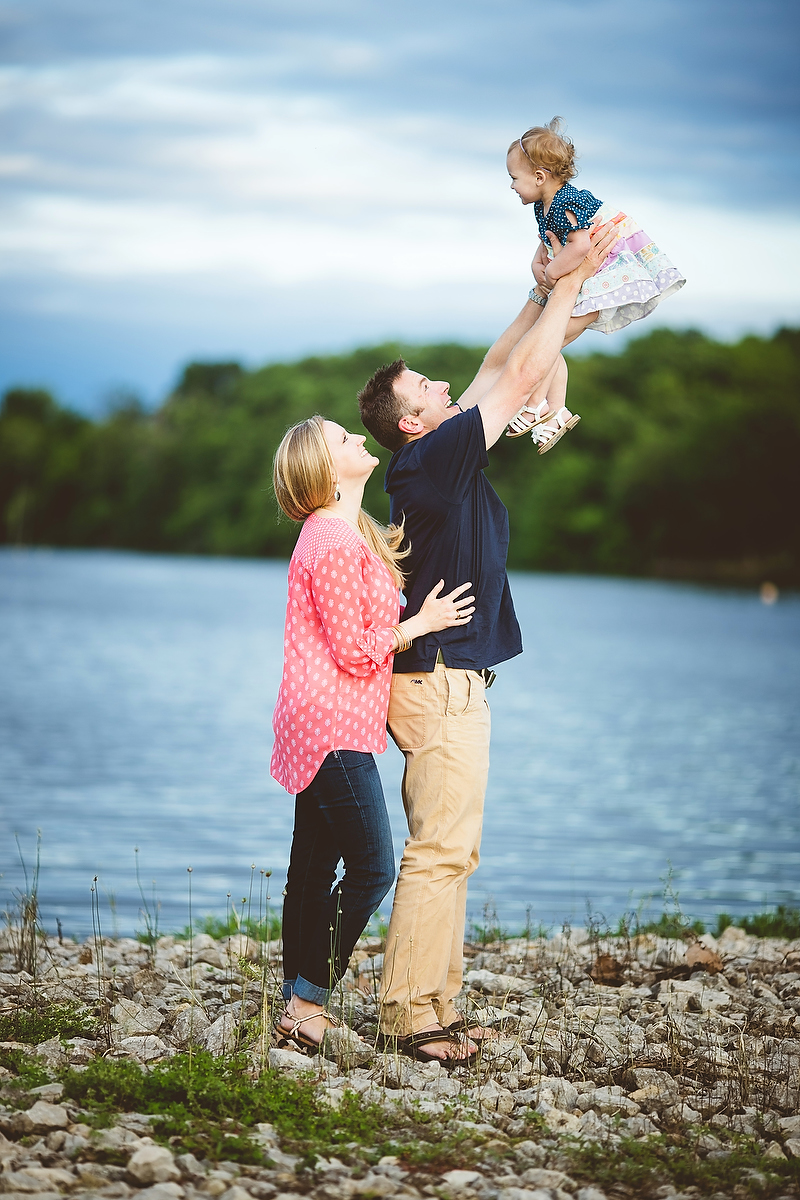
{"type": "Point", "coordinates": [28, 1072]}
{"type": "Point", "coordinates": [643, 1165]}
{"type": "Point", "coordinates": [783, 923]}
{"type": "Point", "coordinates": [35, 1025]}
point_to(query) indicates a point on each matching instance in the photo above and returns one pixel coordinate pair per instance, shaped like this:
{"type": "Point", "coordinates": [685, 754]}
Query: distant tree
{"type": "Point", "coordinates": [686, 462]}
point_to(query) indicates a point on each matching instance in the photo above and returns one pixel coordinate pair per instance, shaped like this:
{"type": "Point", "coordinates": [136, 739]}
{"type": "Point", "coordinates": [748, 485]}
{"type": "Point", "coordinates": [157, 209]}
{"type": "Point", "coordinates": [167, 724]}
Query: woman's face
{"type": "Point", "coordinates": [352, 462]}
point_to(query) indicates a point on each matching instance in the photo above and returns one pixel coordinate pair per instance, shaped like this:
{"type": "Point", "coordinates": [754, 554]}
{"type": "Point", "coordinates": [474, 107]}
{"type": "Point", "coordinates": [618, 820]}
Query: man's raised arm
{"type": "Point", "coordinates": [497, 355]}
{"type": "Point", "coordinates": [533, 355]}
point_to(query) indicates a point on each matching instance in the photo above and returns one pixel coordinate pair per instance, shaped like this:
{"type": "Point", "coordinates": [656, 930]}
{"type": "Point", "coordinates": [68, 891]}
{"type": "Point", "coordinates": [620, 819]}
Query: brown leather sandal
{"type": "Point", "coordinates": [412, 1046]}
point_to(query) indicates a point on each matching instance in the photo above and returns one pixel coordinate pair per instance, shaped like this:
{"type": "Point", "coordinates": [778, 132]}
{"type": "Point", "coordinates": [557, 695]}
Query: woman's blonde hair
{"type": "Point", "coordinates": [545, 146]}
{"type": "Point", "coordinates": [304, 478]}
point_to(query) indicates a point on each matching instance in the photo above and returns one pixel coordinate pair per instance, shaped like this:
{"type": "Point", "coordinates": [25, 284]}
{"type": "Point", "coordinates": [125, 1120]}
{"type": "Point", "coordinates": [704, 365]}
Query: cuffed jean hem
{"type": "Point", "coordinates": [287, 989]}
{"type": "Point", "coordinates": [310, 991]}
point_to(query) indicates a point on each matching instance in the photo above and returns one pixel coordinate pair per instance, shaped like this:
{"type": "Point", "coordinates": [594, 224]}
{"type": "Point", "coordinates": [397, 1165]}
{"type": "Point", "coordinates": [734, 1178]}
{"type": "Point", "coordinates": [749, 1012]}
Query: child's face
{"type": "Point", "coordinates": [525, 181]}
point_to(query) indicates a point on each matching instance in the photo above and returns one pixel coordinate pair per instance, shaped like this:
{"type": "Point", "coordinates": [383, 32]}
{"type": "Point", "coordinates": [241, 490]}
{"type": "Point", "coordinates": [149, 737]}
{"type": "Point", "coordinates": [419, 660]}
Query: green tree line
{"type": "Point", "coordinates": [686, 462]}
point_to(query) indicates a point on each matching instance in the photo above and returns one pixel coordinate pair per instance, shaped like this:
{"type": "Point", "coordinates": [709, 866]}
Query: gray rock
{"type": "Point", "coordinates": [190, 1027]}
{"type": "Point", "coordinates": [564, 1094]}
{"type": "Point", "coordinates": [48, 1091]}
{"type": "Point", "coordinates": [609, 1100]}
{"type": "Point", "coordinates": [161, 1191]}
{"type": "Point", "coordinates": [460, 1179]}
{"type": "Point", "coordinates": [518, 1193]}
{"type": "Point", "coordinates": [346, 1048]}
{"type": "Point", "coordinates": [289, 1060]}
{"type": "Point", "coordinates": [190, 1168]}
{"type": "Point", "coordinates": [590, 1193]}
{"type": "Point", "coordinates": [220, 1037]}
{"type": "Point", "coordinates": [145, 1048]}
{"type": "Point", "coordinates": [133, 1019]}
{"type": "Point", "coordinates": [235, 1192]}
{"type": "Point", "coordinates": [42, 1117]}
{"type": "Point", "coordinates": [38, 1179]}
{"type": "Point", "coordinates": [153, 1164]}
{"type": "Point", "coordinates": [116, 1138]}
{"type": "Point", "coordinates": [53, 1055]}
{"type": "Point", "coordinates": [539, 1177]}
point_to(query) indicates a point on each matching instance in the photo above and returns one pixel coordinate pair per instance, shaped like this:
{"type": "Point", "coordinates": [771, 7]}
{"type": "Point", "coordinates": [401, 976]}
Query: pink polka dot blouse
{"type": "Point", "coordinates": [338, 652]}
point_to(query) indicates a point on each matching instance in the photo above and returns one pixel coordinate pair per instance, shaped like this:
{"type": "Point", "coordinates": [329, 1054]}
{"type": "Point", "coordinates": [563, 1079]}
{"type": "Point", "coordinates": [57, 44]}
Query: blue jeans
{"type": "Point", "coordinates": [340, 815]}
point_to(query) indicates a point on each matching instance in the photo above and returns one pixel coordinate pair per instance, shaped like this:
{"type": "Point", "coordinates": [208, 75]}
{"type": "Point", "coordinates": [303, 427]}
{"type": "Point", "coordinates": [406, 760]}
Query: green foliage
{"type": "Point", "coordinates": [783, 923]}
{"type": "Point", "coordinates": [222, 927]}
{"type": "Point", "coordinates": [29, 1072]}
{"type": "Point", "coordinates": [35, 1025]}
{"type": "Point", "coordinates": [208, 1104]}
{"type": "Point", "coordinates": [684, 463]}
{"type": "Point", "coordinates": [668, 925]}
{"type": "Point", "coordinates": [642, 1165]}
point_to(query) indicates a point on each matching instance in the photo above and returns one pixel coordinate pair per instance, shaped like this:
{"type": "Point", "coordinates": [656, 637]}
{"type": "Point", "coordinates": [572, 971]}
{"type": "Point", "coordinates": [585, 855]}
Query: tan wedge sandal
{"type": "Point", "coordinates": [294, 1038]}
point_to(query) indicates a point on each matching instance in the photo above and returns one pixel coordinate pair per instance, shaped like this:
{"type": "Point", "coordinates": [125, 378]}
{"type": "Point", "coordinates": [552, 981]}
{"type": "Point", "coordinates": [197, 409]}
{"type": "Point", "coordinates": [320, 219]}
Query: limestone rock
{"type": "Point", "coordinates": [161, 1191]}
{"type": "Point", "coordinates": [235, 1192]}
{"type": "Point", "coordinates": [52, 1054]}
{"type": "Point", "coordinates": [609, 1100]}
{"type": "Point", "coordinates": [346, 1047]}
{"type": "Point", "coordinates": [460, 1179]}
{"type": "Point", "coordinates": [153, 1164]}
{"type": "Point", "coordinates": [190, 1027]}
{"type": "Point", "coordinates": [38, 1179]}
{"type": "Point", "coordinates": [289, 1060]}
{"type": "Point", "coordinates": [133, 1019]}
{"type": "Point", "coordinates": [220, 1037]}
{"type": "Point", "coordinates": [493, 1097]}
{"type": "Point", "coordinates": [792, 1147]}
{"type": "Point", "coordinates": [116, 1138]}
{"type": "Point", "coordinates": [539, 1177]}
{"type": "Point", "coordinates": [42, 1118]}
{"type": "Point", "coordinates": [146, 1048]}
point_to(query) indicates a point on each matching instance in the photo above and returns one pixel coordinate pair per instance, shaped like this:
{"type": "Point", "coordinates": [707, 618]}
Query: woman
{"type": "Point", "coordinates": [341, 634]}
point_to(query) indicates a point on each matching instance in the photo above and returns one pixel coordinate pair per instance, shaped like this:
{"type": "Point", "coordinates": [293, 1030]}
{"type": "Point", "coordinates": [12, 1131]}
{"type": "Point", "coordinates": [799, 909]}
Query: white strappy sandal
{"type": "Point", "coordinates": [520, 425]}
{"type": "Point", "coordinates": [546, 435]}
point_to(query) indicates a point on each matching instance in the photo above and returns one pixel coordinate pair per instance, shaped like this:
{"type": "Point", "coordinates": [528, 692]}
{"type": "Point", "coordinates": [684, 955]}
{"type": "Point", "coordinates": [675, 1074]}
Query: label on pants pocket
{"type": "Point", "coordinates": [407, 707]}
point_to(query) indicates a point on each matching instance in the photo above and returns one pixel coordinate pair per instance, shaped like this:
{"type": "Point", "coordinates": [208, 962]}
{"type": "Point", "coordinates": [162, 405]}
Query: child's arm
{"type": "Point", "coordinates": [539, 264]}
{"type": "Point", "coordinates": [567, 259]}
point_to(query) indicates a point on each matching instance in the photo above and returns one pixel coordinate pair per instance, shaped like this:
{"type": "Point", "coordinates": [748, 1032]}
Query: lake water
{"type": "Point", "coordinates": [646, 724]}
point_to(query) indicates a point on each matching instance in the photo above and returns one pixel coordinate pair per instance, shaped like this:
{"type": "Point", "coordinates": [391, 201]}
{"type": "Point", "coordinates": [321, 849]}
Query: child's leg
{"type": "Point", "coordinates": [548, 398]}
{"type": "Point", "coordinates": [576, 326]}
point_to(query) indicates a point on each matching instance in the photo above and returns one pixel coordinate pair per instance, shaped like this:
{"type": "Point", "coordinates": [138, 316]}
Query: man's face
{"type": "Point", "coordinates": [429, 400]}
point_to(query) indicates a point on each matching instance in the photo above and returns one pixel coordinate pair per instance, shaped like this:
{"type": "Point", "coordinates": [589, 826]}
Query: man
{"type": "Point", "coordinates": [438, 715]}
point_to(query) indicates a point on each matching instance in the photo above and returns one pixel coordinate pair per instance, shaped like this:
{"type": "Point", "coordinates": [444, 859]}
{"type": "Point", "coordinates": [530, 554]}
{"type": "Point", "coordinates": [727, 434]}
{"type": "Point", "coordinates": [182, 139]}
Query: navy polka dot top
{"type": "Point", "coordinates": [583, 204]}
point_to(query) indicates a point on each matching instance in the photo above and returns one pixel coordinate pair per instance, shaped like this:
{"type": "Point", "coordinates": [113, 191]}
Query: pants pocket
{"type": "Point", "coordinates": [465, 692]}
{"type": "Point", "coordinates": [407, 711]}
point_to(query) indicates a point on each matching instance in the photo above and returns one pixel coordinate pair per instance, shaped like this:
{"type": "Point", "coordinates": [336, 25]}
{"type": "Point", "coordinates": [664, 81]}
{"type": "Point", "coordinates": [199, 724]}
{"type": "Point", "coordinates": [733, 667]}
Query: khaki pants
{"type": "Point", "coordinates": [440, 720]}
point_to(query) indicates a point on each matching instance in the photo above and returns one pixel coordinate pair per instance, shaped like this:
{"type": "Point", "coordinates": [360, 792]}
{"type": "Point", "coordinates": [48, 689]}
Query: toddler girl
{"type": "Point", "coordinates": [635, 277]}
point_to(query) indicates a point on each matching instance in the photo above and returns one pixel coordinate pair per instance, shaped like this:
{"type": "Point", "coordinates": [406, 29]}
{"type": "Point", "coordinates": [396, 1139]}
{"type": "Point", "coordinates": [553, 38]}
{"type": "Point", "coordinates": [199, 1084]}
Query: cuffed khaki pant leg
{"type": "Point", "coordinates": [440, 720]}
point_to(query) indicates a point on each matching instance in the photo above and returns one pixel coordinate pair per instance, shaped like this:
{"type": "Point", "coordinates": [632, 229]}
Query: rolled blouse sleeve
{"type": "Point", "coordinates": [349, 612]}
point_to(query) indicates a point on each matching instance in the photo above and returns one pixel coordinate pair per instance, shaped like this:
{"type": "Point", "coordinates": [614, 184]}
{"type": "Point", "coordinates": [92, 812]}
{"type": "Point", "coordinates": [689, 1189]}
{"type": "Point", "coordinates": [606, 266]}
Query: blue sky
{"type": "Point", "coordinates": [258, 180]}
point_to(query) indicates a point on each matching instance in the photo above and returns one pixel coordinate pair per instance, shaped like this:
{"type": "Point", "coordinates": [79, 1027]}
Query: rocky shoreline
{"type": "Point", "coordinates": [614, 1056]}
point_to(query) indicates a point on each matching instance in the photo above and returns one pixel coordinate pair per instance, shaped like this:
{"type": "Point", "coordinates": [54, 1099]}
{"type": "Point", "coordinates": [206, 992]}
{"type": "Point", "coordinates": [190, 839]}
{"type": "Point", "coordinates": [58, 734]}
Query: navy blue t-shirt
{"type": "Point", "coordinates": [458, 529]}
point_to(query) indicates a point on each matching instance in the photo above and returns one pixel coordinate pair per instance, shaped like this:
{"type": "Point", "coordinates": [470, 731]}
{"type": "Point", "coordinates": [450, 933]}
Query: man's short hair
{"type": "Point", "coordinates": [382, 408]}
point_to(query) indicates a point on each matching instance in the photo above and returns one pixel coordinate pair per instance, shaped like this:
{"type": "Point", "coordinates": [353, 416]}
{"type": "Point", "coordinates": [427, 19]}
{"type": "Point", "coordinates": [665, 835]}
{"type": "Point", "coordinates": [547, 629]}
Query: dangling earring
{"type": "Point", "coordinates": [337, 495]}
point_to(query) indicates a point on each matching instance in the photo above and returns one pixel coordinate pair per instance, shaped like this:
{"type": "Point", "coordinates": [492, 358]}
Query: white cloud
{"type": "Point", "coordinates": [204, 176]}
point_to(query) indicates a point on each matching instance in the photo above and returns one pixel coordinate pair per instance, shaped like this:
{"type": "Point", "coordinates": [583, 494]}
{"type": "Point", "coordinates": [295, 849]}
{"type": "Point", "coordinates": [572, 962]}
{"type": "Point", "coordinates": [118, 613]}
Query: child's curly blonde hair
{"type": "Point", "coordinates": [547, 147]}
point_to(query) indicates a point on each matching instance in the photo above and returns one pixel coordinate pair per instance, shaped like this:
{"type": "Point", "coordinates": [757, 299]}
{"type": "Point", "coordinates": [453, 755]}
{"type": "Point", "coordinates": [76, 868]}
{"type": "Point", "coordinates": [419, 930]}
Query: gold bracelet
{"type": "Point", "coordinates": [404, 641]}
